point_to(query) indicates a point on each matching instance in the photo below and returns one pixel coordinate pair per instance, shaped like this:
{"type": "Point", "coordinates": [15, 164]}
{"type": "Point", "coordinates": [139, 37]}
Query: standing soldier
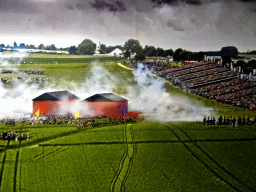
{"type": "Point", "coordinates": [248, 120]}
{"type": "Point", "coordinates": [204, 120]}
{"type": "Point", "coordinates": [28, 135]}
{"type": "Point", "coordinates": [244, 122]}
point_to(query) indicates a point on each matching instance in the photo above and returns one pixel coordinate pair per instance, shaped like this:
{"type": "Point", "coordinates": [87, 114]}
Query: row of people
{"type": "Point", "coordinates": [232, 121]}
{"type": "Point", "coordinates": [86, 123]}
{"type": "Point", "coordinates": [12, 135]}
{"type": "Point", "coordinates": [7, 79]}
{"type": "Point", "coordinates": [122, 119]}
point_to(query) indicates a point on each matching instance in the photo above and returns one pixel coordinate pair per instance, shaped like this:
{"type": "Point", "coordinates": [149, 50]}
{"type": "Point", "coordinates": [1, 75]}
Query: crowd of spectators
{"type": "Point", "coordinates": [225, 87]}
{"type": "Point", "coordinates": [243, 98]}
{"type": "Point", "coordinates": [214, 71]}
{"type": "Point", "coordinates": [194, 69]}
{"type": "Point", "coordinates": [209, 80]}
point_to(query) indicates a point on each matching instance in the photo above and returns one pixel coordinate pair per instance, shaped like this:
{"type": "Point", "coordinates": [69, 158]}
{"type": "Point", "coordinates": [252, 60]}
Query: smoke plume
{"type": "Point", "coordinates": [11, 58]}
{"type": "Point", "coordinates": [150, 97]}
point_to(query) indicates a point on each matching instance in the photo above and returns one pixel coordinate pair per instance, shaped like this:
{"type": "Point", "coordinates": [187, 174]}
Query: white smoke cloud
{"type": "Point", "coordinates": [11, 58]}
{"type": "Point", "coordinates": [16, 102]}
{"type": "Point", "coordinates": [150, 97]}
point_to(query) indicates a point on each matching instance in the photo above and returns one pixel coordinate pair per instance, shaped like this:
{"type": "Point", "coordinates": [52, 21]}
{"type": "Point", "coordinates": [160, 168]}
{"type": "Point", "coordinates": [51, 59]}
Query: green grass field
{"type": "Point", "coordinates": [249, 56]}
{"type": "Point", "coordinates": [141, 156]}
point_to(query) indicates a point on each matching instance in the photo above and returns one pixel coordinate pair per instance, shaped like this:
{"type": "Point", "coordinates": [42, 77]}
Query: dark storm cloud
{"type": "Point", "coordinates": [113, 7]}
{"type": "Point", "coordinates": [248, 1]}
{"type": "Point", "coordinates": [175, 2]}
{"type": "Point", "coordinates": [166, 19]}
{"type": "Point", "coordinates": [174, 25]}
{"type": "Point", "coordinates": [76, 6]}
{"type": "Point", "coordinates": [18, 6]}
{"type": "Point", "coordinates": [191, 2]}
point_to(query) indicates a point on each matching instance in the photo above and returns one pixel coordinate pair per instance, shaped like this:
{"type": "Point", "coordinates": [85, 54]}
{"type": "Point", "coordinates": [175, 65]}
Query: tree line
{"type": "Point", "coordinates": [131, 46]}
{"type": "Point", "coordinates": [31, 46]}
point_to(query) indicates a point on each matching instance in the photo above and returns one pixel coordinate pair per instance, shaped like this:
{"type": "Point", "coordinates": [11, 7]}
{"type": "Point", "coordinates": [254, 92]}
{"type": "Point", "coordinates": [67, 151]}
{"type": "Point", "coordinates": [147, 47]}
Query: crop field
{"type": "Point", "coordinates": [249, 56]}
{"type": "Point", "coordinates": [141, 156]}
{"type": "Point", "coordinates": [135, 157]}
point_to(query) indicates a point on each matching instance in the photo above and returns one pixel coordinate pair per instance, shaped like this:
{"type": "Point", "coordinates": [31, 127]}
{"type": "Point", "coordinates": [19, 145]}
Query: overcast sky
{"type": "Point", "coordinates": [189, 24]}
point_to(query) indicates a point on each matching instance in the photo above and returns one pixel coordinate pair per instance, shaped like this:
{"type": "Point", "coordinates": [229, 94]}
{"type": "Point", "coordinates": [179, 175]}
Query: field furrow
{"type": "Point", "coordinates": [125, 166]}
{"type": "Point", "coordinates": [9, 171]}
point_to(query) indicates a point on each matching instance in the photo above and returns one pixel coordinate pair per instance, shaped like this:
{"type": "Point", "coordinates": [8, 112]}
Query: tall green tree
{"type": "Point", "coordinates": [240, 63]}
{"type": "Point", "coordinates": [160, 52]}
{"type": "Point", "coordinates": [252, 64]}
{"type": "Point", "coordinates": [103, 48]}
{"type": "Point", "coordinates": [139, 57]}
{"type": "Point", "coordinates": [168, 52]}
{"type": "Point", "coordinates": [150, 51]}
{"type": "Point", "coordinates": [230, 51]}
{"type": "Point", "coordinates": [109, 49]}
{"type": "Point", "coordinates": [87, 47]}
{"type": "Point", "coordinates": [199, 56]}
{"type": "Point", "coordinates": [52, 47]}
{"type": "Point", "coordinates": [72, 50]}
{"type": "Point", "coordinates": [226, 59]}
{"type": "Point", "coordinates": [185, 55]}
{"type": "Point", "coordinates": [31, 46]}
{"type": "Point", "coordinates": [176, 54]}
{"type": "Point", "coordinates": [41, 46]}
{"type": "Point", "coordinates": [22, 45]}
{"type": "Point", "coordinates": [127, 54]}
{"type": "Point", "coordinates": [133, 46]}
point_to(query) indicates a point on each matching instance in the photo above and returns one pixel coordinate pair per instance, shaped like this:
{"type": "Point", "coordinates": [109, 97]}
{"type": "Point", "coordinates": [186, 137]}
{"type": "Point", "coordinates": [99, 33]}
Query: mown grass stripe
{"type": "Point", "coordinates": [15, 172]}
{"type": "Point", "coordinates": [8, 176]}
{"type": "Point", "coordinates": [2, 168]}
{"type": "Point", "coordinates": [210, 163]}
{"type": "Point", "coordinates": [149, 141]}
{"type": "Point", "coordinates": [215, 162]}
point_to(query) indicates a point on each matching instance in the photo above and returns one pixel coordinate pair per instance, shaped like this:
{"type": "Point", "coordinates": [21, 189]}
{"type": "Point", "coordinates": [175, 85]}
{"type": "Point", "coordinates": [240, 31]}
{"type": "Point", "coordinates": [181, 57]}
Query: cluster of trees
{"type": "Point", "coordinates": [183, 55]}
{"type": "Point", "coordinates": [24, 46]}
{"type": "Point", "coordinates": [226, 53]}
{"type": "Point", "coordinates": [247, 67]}
{"type": "Point", "coordinates": [87, 47]}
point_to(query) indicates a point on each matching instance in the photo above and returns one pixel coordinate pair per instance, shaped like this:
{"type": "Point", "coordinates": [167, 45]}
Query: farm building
{"type": "Point", "coordinates": [50, 103]}
{"type": "Point", "coordinates": [109, 105]}
{"type": "Point", "coordinates": [116, 52]}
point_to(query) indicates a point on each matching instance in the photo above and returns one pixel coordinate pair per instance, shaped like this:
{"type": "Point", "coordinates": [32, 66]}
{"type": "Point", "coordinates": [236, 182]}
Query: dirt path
{"type": "Point", "coordinates": [123, 66]}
